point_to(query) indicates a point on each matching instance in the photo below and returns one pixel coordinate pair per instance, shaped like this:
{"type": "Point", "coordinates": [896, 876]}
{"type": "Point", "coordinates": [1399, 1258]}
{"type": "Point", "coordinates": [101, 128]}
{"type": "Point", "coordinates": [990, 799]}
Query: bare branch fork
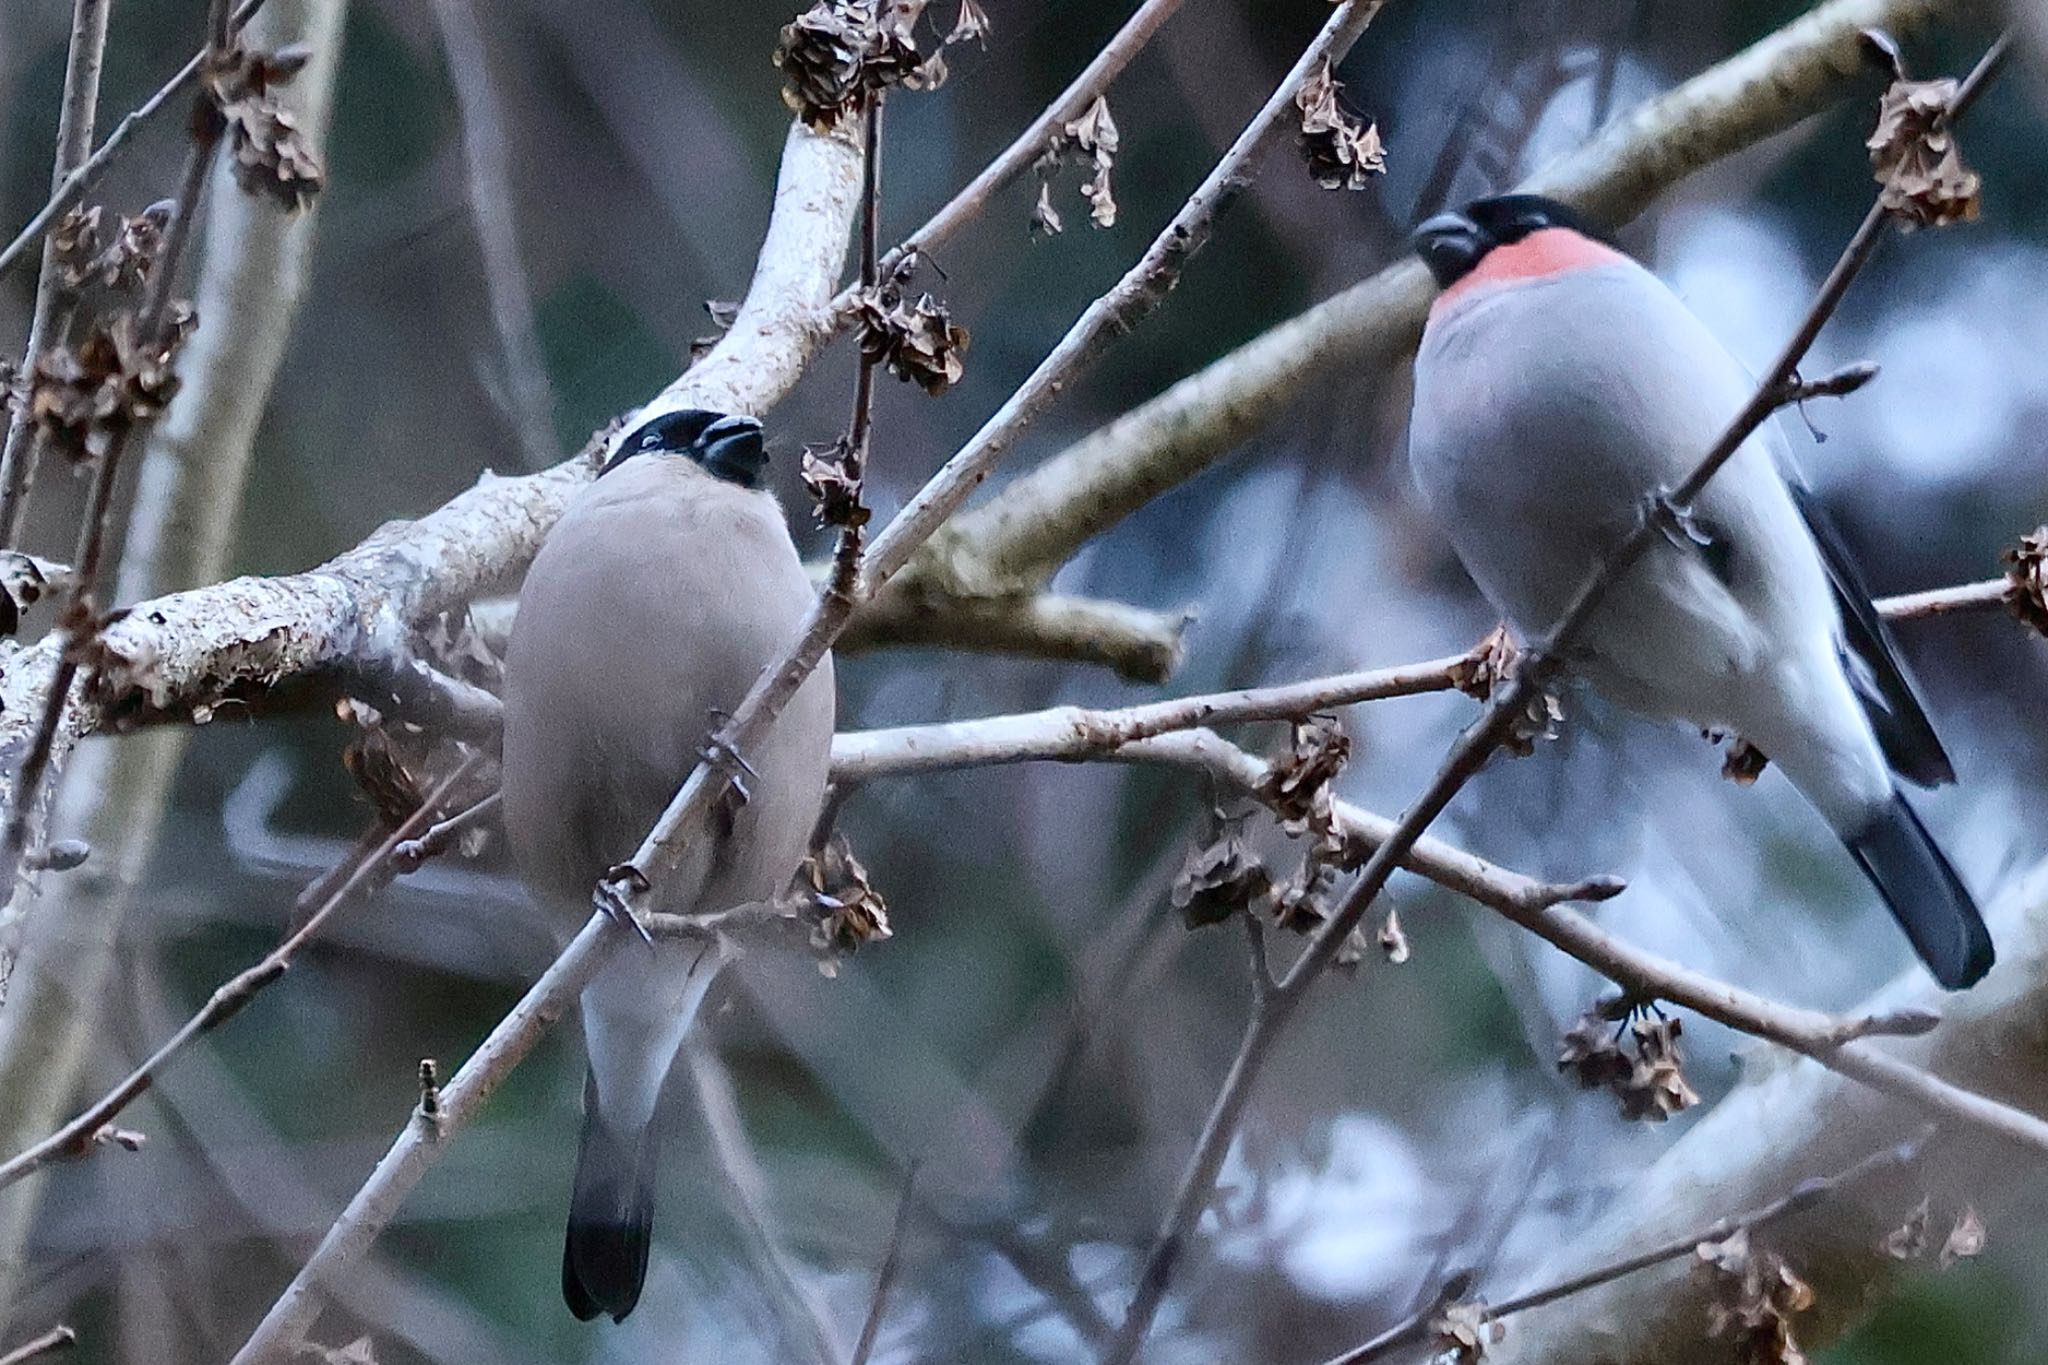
{"type": "Point", "coordinates": [1116, 312]}
{"type": "Point", "coordinates": [1537, 668]}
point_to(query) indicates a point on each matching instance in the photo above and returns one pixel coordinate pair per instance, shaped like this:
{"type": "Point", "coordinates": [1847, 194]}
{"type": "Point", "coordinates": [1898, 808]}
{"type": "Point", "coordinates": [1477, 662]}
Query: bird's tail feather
{"type": "Point", "coordinates": [1924, 894]}
{"type": "Point", "coordinates": [611, 1216]}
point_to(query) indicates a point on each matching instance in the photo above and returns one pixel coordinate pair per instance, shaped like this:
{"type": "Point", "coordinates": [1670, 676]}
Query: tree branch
{"type": "Point", "coordinates": [1025, 532]}
{"type": "Point", "coordinates": [50, 322]}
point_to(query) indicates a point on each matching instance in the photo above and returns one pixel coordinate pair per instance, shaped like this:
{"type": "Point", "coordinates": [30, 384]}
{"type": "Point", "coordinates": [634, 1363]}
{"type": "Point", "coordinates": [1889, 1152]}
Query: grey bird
{"type": "Point", "coordinates": [668, 585]}
{"type": "Point", "coordinates": [1558, 385]}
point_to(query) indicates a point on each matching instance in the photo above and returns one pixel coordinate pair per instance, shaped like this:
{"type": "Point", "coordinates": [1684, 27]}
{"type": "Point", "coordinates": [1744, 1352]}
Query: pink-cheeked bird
{"type": "Point", "coordinates": [1559, 384]}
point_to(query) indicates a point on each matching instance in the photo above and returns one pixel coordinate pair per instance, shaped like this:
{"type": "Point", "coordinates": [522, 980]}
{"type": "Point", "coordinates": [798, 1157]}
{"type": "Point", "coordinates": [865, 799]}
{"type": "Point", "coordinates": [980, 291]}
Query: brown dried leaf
{"type": "Point", "coordinates": [1045, 219]}
{"type": "Point", "coordinates": [2026, 590]}
{"type": "Point", "coordinates": [1757, 1296]}
{"type": "Point", "coordinates": [838, 53]}
{"type": "Point", "coordinates": [972, 23]}
{"type": "Point", "coordinates": [84, 396]}
{"type": "Point", "coordinates": [1744, 763]}
{"type": "Point", "coordinates": [1095, 133]}
{"type": "Point", "coordinates": [834, 482]}
{"type": "Point", "coordinates": [1914, 156]}
{"type": "Point", "coordinates": [849, 911]}
{"type": "Point", "coordinates": [1538, 721]}
{"type": "Point", "coordinates": [1908, 1241]}
{"type": "Point", "coordinates": [820, 54]}
{"type": "Point", "coordinates": [1298, 785]}
{"type": "Point", "coordinates": [1655, 1087]}
{"type": "Point", "coordinates": [1964, 1240]}
{"type": "Point", "coordinates": [1491, 663]}
{"type": "Point", "coordinates": [1219, 878]}
{"type": "Point", "coordinates": [920, 344]}
{"type": "Point", "coordinates": [1342, 150]}
{"type": "Point", "coordinates": [1591, 1056]}
{"type": "Point", "coordinates": [386, 775]}
{"type": "Point", "coordinates": [1462, 1332]}
{"type": "Point", "coordinates": [269, 154]}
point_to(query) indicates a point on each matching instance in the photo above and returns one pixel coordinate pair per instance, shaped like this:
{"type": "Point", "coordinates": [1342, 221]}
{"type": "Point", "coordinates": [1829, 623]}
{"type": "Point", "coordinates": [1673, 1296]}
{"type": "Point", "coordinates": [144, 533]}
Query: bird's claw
{"type": "Point", "coordinates": [1678, 523]}
{"type": "Point", "coordinates": [611, 900]}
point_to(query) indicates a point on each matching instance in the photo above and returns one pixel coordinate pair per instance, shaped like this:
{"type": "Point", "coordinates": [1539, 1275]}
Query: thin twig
{"type": "Point", "coordinates": [1918, 606]}
{"type": "Point", "coordinates": [49, 1343]}
{"type": "Point", "coordinates": [75, 185]}
{"type": "Point", "coordinates": [1073, 732]}
{"type": "Point", "coordinates": [1537, 669]}
{"type": "Point", "coordinates": [50, 322]}
{"type": "Point", "coordinates": [885, 1278]}
{"type": "Point", "coordinates": [1802, 1197]}
{"type": "Point", "coordinates": [486, 150]}
{"type": "Point", "coordinates": [805, 1320]}
{"type": "Point", "coordinates": [74, 1139]}
{"type": "Point", "coordinates": [439, 838]}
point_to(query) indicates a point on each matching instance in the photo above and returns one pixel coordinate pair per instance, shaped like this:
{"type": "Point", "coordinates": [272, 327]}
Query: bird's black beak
{"type": "Point", "coordinates": [1450, 244]}
{"type": "Point", "coordinates": [732, 449]}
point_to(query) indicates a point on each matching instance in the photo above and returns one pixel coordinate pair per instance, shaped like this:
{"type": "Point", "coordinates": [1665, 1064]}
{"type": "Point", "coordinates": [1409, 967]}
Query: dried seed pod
{"type": "Point", "coordinates": [1342, 150]}
{"type": "Point", "coordinates": [1913, 154]}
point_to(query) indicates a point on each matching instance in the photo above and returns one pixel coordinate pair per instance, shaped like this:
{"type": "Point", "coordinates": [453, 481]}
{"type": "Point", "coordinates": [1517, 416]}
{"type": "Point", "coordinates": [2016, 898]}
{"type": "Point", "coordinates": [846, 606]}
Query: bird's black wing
{"type": "Point", "coordinates": [1872, 661]}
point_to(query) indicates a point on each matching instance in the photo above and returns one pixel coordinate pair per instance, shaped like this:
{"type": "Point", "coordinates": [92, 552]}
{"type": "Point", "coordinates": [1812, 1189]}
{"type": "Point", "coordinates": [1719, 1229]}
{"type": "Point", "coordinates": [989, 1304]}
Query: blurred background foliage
{"type": "Point", "coordinates": [1041, 1033]}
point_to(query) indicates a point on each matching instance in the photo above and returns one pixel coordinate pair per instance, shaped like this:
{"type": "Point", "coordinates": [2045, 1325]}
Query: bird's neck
{"type": "Point", "coordinates": [1541, 255]}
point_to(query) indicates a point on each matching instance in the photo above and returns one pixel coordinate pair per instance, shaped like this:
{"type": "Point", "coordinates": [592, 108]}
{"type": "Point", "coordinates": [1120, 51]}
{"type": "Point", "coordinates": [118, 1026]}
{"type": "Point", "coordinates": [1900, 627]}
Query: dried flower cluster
{"type": "Point", "coordinates": [838, 54]}
{"type": "Point", "coordinates": [833, 477]}
{"type": "Point", "coordinates": [1758, 1296]}
{"type": "Point", "coordinates": [2026, 583]}
{"type": "Point", "coordinates": [846, 909]}
{"type": "Point", "coordinates": [919, 342]}
{"type": "Point", "coordinates": [1650, 1084]}
{"type": "Point", "coordinates": [1093, 136]}
{"type": "Point", "coordinates": [1343, 151]}
{"type": "Point", "coordinates": [1221, 877]}
{"type": "Point", "coordinates": [83, 397]}
{"type": "Point", "coordinates": [1914, 156]}
{"type": "Point", "coordinates": [269, 154]}
{"type": "Point", "coordinates": [1491, 663]}
{"type": "Point", "coordinates": [1301, 789]}
{"type": "Point", "coordinates": [383, 763]}
{"type": "Point", "coordinates": [89, 254]}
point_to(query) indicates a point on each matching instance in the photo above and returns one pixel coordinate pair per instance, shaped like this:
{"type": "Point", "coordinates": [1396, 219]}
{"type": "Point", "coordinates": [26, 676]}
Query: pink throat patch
{"type": "Point", "coordinates": [1550, 251]}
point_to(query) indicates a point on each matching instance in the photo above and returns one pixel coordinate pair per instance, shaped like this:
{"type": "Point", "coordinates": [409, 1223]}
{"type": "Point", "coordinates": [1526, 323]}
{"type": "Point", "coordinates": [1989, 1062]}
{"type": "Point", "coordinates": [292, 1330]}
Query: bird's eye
{"type": "Point", "coordinates": [650, 440]}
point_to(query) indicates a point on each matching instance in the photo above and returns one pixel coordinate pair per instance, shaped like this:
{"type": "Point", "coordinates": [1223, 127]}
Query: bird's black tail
{"type": "Point", "coordinates": [611, 1217]}
{"type": "Point", "coordinates": [1924, 893]}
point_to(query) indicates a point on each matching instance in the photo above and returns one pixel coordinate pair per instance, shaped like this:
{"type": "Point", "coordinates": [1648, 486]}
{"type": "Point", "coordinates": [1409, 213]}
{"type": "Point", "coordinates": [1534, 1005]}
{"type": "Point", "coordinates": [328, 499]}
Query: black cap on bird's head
{"type": "Point", "coordinates": [1451, 244]}
{"type": "Point", "coordinates": [725, 446]}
